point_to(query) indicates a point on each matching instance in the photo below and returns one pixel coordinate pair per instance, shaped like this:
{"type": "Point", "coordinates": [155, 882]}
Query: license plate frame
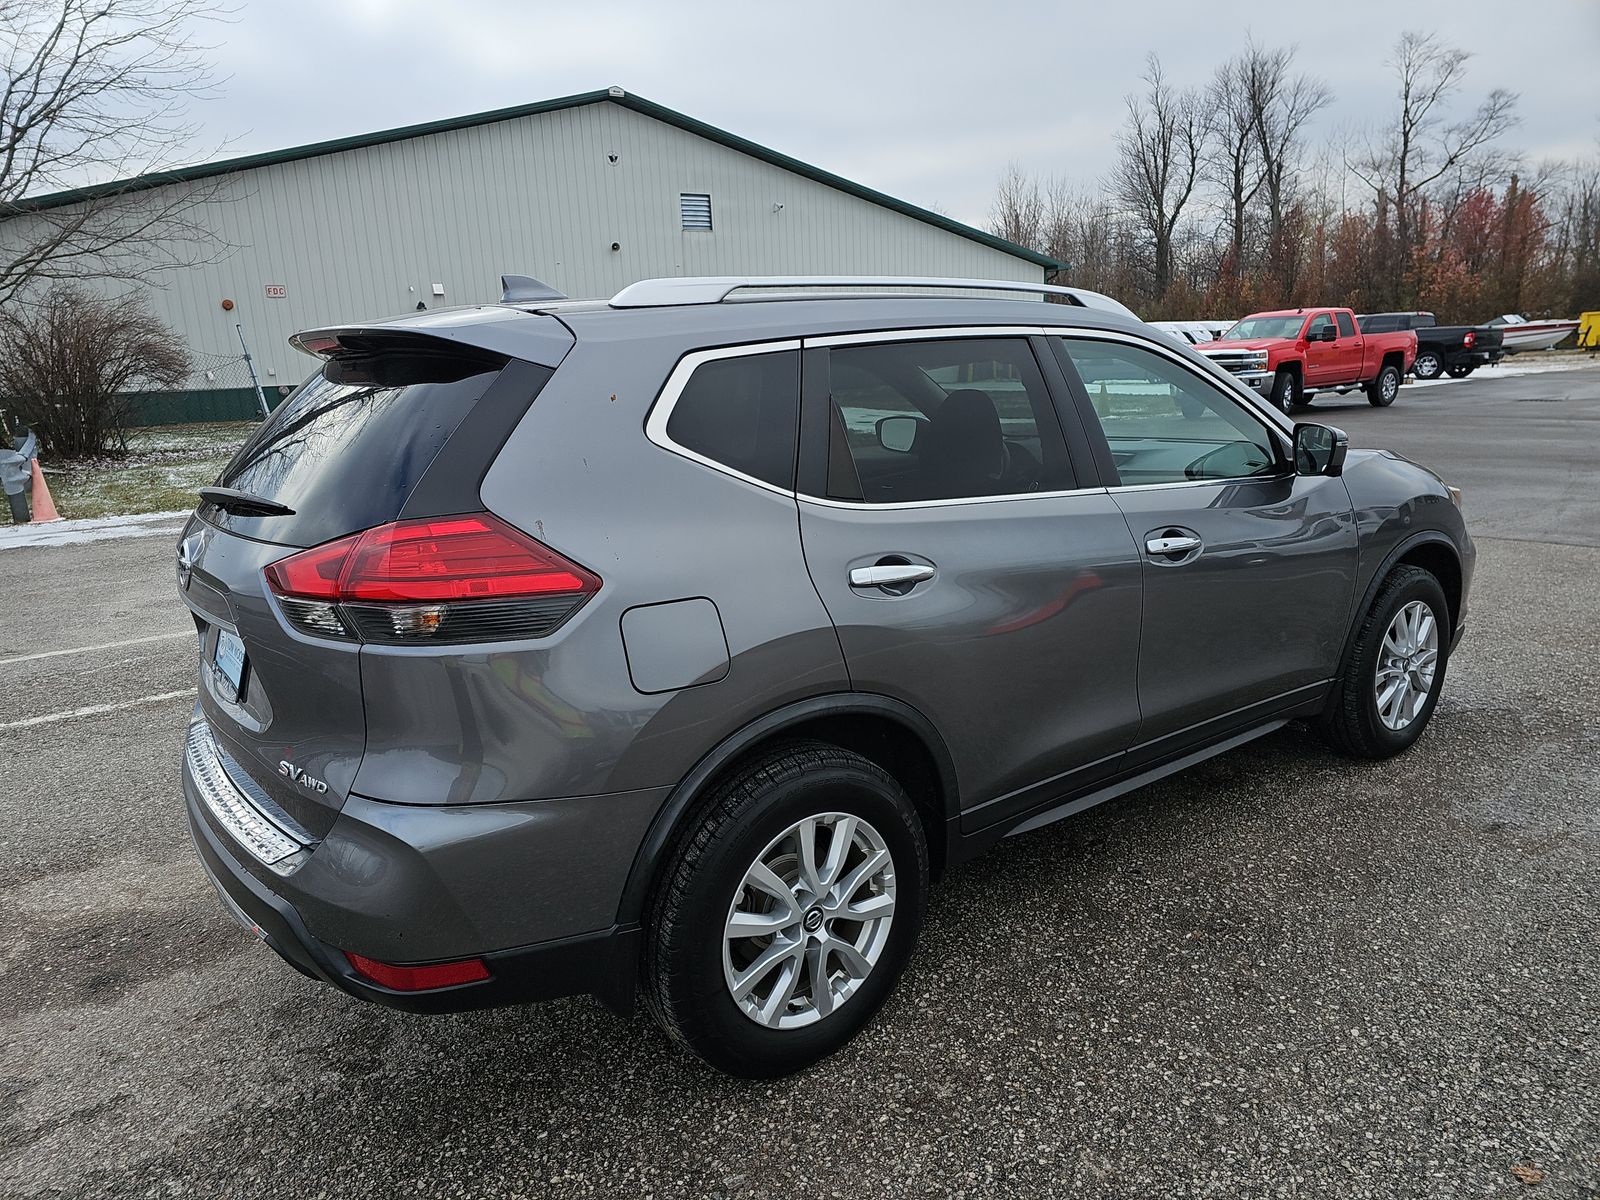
{"type": "Point", "coordinates": [229, 660]}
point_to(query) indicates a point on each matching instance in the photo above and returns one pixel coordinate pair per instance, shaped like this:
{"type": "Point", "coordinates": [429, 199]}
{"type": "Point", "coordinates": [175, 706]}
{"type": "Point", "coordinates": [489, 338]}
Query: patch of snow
{"type": "Point", "coordinates": [1506, 370]}
{"type": "Point", "coordinates": [92, 529]}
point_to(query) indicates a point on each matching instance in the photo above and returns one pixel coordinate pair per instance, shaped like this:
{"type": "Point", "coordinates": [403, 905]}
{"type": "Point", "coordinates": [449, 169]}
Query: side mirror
{"type": "Point", "coordinates": [898, 434]}
{"type": "Point", "coordinates": [1328, 333]}
{"type": "Point", "coordinates": [1319, 450]}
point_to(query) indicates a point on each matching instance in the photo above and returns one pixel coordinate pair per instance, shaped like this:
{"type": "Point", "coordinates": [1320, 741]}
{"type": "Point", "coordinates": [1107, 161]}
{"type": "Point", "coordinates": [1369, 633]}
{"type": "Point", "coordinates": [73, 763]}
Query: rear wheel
{"type": "Point", "coordinates": [1384, 699]}
{"type": "Point", "coordinates": [1428, 365]}
{"type": "Point", "coordinates": [787, 912]}
{"type": "Point", "coordinates": [1382, 390]}
{"type": "Point", "coordinates": [1462, 370]}
{"type": "Point", "coordinates": [1286, 392]}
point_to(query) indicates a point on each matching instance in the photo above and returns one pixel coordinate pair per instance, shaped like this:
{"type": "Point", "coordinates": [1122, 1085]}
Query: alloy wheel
{"type": "Point", "coordinates": [1407, 665]}
{"type": "Point", "coordinates": [809, 921]}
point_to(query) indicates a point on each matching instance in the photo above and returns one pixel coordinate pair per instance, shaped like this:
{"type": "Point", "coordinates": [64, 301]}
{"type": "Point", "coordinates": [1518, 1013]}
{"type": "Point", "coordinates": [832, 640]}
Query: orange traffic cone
{"type": "Point", "coordinates": [44, 508]}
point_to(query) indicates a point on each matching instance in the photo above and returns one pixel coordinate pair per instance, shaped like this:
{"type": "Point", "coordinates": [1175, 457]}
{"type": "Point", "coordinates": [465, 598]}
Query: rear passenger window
{"type": "Point", "coordinates": [942, 420]}
{"type": "Point", "coordinates": [1347, 327]}
{"type": "Point", "coordinates": [743, 413]}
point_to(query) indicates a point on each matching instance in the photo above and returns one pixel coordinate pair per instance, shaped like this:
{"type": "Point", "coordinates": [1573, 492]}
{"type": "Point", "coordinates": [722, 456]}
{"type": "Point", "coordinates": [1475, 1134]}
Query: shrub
{"type": "Point", "coordinates": [71, 363]}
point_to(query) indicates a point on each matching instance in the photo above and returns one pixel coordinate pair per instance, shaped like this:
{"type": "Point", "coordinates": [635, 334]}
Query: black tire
{"type": "Point", "coordinates": [1382, 391]}
{"type": "Point", "coordinates": [1286, 392]}
{"type": "Point", "coordinates": [1429, 365]}
{"type": "Point", "coordinates": [683, 982]}
{"type": "Point", "coordinates": [1350, 723]}
{"type": "Point", "coordinates": [1462, 370]}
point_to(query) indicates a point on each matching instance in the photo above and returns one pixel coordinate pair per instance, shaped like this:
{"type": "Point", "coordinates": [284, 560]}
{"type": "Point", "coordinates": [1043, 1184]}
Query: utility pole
{"type": "Point", "coordinates": [249, 362]}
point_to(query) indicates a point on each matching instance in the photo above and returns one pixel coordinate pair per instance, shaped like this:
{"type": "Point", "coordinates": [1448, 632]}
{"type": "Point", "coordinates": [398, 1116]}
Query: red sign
{"type": "Point", "coordinates": [277, 291]}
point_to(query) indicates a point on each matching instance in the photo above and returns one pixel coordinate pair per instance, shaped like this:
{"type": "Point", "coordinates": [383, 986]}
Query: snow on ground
{"type": "Point", "coordinates": [1505, 370]}
{"type": "Point", "coordinates": [92, 529]}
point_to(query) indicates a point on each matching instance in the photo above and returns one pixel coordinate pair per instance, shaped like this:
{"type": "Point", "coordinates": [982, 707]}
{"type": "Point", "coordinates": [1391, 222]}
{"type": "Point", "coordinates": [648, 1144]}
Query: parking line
{"type": "Point", "coordinates": [93, 710]}
{"type": "Point", "coordinates": [159, 637]}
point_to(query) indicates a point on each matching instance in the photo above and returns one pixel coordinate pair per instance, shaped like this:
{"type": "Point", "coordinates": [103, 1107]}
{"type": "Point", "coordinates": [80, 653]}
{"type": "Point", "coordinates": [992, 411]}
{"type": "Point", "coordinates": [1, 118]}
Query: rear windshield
{"type": "Point", "coordinates": [347, 447]}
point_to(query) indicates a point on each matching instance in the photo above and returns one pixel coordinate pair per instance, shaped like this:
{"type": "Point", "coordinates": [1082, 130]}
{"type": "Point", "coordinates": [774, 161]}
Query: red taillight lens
{"type": "Point", "coordinates": [419, 979]}
{"type": "Point", "coordinates": [1470, 339]}
{"type": "Point", "coordinates": [456, 558]}
{"type": "Point", "coordinates": [502, 582]}
{"type": "Point", "coordinates": [313, 574]}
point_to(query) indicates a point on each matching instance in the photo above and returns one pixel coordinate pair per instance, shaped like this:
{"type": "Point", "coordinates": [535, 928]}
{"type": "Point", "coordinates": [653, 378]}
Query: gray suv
{"type": "Point", "coordinates": [671, 645]}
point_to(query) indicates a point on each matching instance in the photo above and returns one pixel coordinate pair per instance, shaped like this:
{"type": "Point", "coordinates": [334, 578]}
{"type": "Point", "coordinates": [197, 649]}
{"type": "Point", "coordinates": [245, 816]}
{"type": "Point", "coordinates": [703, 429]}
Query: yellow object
{"type": "Point", "coordinates": [1589, 331]}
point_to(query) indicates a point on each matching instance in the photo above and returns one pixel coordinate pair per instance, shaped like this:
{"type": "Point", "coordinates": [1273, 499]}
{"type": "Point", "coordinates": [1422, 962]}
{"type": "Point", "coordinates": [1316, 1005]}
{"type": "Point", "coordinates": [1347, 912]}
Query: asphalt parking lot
{"type": "Point", "coordinates": [1281, 974]}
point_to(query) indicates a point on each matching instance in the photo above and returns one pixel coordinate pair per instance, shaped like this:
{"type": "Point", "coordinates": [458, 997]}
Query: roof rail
{"type": "Point", "coordinates": [715, 289]}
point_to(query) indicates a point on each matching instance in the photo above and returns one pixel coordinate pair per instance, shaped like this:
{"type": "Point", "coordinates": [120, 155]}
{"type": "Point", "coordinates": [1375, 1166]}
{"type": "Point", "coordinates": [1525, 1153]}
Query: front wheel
{"type": "Point", "coordinates": [788, 911]}
{"type": "Point", "coordinates": [1428, 365]}
{"type": "Point", "coordinates": [1285, 392]}
{"type": "Point", "coordinates": [1382, 702]}
{"type": "Point", "coordinates": [1382, 391]}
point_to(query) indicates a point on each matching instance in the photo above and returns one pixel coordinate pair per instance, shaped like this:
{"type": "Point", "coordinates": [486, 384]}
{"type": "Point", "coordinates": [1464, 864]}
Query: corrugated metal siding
{"type": "Point", "coordinates": [366, 233]}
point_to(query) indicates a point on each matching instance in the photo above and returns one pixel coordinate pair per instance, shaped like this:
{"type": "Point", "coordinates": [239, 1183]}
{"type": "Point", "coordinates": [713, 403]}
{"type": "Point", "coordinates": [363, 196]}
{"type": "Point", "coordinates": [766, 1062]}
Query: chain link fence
{"type": "Point", "coordinates": [220, 389]}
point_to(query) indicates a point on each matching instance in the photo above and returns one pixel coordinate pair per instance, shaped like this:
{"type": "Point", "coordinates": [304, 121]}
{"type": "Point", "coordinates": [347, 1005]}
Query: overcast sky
{"type": "Point", "coordinates": [926, 101]}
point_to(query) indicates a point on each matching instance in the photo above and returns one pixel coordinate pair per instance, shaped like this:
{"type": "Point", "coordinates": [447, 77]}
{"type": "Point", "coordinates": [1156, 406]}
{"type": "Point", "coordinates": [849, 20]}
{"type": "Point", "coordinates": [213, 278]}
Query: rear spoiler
{"type": "Point", "coordinates": [532, 337]}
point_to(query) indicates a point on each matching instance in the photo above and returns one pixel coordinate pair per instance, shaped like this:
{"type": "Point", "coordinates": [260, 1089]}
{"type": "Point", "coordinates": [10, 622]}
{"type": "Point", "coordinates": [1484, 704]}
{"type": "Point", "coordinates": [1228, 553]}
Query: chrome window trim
{"type": "Point", "coordinates": [932, 333]}
{"type": "Point", "coordinates": [655, 421]}
{"type": "Point", "coordinates": [867, 506]}
{"type": "Point", "coordinates": [661, 410]}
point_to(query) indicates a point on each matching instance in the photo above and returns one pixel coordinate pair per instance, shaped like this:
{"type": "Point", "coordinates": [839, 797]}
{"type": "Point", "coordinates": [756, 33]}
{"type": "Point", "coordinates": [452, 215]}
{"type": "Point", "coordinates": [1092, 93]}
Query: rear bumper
{"type": "Point", "coordinates": [372, 889]}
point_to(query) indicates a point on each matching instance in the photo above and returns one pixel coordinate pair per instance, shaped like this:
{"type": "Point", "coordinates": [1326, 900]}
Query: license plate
{"type": "Point", "coordinates": [229, 660]}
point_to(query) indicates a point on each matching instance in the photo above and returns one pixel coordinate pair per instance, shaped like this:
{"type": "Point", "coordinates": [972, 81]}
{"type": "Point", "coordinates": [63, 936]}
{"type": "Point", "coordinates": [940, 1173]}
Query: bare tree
{"type": "Point", "coordinates": [1422, 146]}
{"type": "Point", "coordinates": [1018, 211]}
{"type": "Point", "coordinates": [1158, 161]}
{"type": "Point", "coordinates": [1232, 162]}
{"type": "Point", "coordinates": [97, 90]}
{"type": "Point", "coordinates": [1281, 103]}
{"type": "Point", "coordinates": [71, 363]}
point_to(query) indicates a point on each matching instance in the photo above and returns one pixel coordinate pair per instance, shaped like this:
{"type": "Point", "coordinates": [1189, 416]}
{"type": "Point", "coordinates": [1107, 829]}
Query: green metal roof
{"type": "Point", "coordinates": [637, 103]}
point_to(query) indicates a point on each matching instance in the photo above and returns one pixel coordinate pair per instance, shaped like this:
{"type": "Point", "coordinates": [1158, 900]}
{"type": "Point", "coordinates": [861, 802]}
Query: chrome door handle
{"type": "Point", "coordinates": [890, 574]}
{"type": "Point", "coordinates": [1172, 545]}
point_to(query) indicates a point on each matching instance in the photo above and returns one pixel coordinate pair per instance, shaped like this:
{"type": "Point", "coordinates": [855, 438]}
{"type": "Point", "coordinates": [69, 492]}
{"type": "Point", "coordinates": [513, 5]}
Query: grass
{"type": "Point", "coordinates": [163, 467]}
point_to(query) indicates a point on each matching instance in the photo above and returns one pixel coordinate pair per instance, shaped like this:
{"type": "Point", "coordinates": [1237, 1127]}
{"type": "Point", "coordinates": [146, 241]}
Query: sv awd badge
{"type": "Point", "coordinates": [288, 769]}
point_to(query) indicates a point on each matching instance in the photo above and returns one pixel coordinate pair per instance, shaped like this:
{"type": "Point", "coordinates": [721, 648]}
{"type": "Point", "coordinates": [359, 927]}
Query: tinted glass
{"type": "Point", "coordinates": [1347, 327]}
{"type": "Point", "coordinates": [744, 413]}
{"type": "Point", "coordinates": [1165, 424]}
{"type": "Point", "coordinates": [1318, 323]}
{"type": "Point", "coordinates": [1380, 323]}
{"type": "Point", "coordinates": [345, 450]}
{"type": "Point", "coordinates": [964, 418]}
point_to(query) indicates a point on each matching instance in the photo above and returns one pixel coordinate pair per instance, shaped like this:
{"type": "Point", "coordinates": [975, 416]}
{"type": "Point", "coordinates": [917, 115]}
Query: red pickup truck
{"type": "Point", "coordinates": [1291, 355]}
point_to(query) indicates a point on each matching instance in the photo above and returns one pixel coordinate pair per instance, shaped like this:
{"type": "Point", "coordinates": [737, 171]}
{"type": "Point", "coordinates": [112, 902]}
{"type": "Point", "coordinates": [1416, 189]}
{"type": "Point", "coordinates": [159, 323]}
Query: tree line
{"type": "Point", "coordinates": [1222, 200]}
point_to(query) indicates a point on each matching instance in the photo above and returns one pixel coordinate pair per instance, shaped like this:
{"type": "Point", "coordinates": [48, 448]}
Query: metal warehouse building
{"type": "Point", "coordinates": [588, 193]}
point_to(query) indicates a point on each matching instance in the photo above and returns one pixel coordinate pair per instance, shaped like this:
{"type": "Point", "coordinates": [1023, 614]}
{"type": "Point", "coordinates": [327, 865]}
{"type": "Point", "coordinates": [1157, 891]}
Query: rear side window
{"type": "Point", "coordinates": [1380, 324]}
{"type": "Point", "coordinates": [1347, 327]}
{"type": "Point", "coordinates": [347, 448]}
{"type": "Point", "coordinates": [942, 420]}
{"type": "Point", "coordinates": [743, 413]}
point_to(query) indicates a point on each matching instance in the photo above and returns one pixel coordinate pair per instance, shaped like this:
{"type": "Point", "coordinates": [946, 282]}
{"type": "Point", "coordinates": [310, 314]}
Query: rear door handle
{"type": "Point", "coordinates": [1171, 545]}
{"type": "Point", "coordinates": [889, 574]}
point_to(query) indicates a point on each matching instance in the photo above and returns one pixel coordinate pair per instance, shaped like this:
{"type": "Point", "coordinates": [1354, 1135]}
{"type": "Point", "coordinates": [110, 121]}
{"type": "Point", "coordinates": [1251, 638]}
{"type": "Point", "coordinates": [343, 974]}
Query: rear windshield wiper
{"type": "Point", "coordinates": [244, 504]}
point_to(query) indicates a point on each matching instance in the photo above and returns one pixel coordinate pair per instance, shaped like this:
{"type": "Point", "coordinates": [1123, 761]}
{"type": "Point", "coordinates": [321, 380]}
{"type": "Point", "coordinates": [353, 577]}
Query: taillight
{"type": "Point", "coordinates": [1470, 340]}
{"type": "Point", "coordinates": [461, 578]}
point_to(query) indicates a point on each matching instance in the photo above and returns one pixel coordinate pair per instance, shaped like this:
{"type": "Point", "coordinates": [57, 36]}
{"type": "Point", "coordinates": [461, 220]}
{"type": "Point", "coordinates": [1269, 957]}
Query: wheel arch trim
{"type": "Point", "coordinates": [663, 831]}
{"type": "Point", "coordinates": [1423, 537]}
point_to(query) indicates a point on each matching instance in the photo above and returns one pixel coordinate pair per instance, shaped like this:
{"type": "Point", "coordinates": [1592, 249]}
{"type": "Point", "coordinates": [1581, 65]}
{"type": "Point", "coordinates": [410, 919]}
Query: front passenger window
{"type": "Point", "coordinates": [1165, 424]}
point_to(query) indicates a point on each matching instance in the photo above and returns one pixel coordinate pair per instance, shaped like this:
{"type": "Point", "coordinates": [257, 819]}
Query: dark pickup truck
{"type": "Point", "coordinates": [1454, 349]}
